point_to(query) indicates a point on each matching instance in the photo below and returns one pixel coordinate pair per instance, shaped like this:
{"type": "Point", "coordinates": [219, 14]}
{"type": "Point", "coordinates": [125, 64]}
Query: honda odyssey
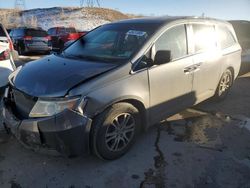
{"type": "Point", "coordinates": [117, 80]}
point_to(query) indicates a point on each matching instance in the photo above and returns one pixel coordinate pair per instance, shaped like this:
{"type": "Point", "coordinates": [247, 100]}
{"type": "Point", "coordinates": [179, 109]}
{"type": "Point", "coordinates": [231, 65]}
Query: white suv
{"type": "Point", "coordinates": [6, 58]}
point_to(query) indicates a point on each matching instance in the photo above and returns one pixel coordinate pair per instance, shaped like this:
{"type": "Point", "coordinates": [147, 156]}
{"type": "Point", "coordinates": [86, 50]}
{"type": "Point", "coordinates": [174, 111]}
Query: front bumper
{"type": "Point", "coordinates": [67, 132]}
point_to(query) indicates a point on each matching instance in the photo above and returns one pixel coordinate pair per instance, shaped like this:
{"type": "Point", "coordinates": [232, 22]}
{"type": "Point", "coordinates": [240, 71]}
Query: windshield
{"type": "Point", "coordinates": [111, 43]}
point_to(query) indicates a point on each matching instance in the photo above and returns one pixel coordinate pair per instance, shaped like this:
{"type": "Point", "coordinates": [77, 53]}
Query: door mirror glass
{"type": "Point", "coordinates": [162, 57]}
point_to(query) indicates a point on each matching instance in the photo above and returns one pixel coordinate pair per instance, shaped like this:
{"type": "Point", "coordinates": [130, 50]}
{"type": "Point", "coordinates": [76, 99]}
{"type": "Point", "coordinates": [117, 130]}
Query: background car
{"type": "Point", "coordinates": [30, 40]}
{"type": "Point", "coordinates": [61, 35]}
{"type": "Point", "coordinates": [6, 58]}
{"type": "Point", "coordinates": [242, 30]}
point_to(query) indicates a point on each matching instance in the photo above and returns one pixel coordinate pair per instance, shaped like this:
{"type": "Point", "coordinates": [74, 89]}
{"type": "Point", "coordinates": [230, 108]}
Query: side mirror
{"type": "Point", "coordinates": [162, 57]}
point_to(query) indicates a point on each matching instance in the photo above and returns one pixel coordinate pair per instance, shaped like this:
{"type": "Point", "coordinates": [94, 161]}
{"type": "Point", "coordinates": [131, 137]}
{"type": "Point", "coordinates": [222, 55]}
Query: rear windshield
{"type": "Point", "coordinates": [36, 33]}
{"type": "Point", "coordinates": [70, 30]}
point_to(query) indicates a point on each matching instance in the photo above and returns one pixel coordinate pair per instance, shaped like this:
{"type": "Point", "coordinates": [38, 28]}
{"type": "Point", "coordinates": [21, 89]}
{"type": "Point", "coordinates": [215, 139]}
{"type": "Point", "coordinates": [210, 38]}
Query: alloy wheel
{"type": "Point", "coordinates": [120, 132]}
{"type": "Point", "coordinates": [225, 84]}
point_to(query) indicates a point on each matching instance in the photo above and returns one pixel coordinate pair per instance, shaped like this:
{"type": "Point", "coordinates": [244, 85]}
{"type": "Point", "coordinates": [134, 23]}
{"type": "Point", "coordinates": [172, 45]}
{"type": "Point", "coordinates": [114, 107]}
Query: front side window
{"type": "Point", "coordinates": [173, 40]}
{"type": "Point", "coordinates": [204, 37]}
{"type": "Point", "coordinates": [225, 37]}
{"type": "Point", "coordinates": [111, 43]}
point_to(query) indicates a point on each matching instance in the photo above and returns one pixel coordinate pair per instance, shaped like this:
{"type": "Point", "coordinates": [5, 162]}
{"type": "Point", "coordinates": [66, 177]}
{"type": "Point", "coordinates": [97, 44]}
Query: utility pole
{"type": "Point", "coordinates": [20, 4]}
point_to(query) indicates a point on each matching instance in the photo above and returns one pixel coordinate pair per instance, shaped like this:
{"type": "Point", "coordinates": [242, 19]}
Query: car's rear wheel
{"type": "Point", "coordinates": [224, 85]}
{"type": "Point", "coordinates": [114, 131]}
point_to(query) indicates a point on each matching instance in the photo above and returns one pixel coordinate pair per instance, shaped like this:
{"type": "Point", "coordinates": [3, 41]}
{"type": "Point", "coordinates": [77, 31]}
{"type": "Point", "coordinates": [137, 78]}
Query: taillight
{"type": "Point", "coordinates": [27, 37]}
{"type": "Point", "coordinates": [72, 36]}
{"type": "Point", "coordinates": [4, 55]}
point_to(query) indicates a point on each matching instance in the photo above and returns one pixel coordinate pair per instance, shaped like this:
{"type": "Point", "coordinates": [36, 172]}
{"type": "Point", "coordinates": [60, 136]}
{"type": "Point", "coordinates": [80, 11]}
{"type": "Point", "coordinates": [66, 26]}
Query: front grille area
{"type": "Point", "coordinates": [23, 103]}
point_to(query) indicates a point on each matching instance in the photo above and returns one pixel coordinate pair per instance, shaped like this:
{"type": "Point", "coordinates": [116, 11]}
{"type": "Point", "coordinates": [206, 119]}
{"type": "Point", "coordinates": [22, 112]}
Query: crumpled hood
{"type": "Point", "coordinates": [53, 76]}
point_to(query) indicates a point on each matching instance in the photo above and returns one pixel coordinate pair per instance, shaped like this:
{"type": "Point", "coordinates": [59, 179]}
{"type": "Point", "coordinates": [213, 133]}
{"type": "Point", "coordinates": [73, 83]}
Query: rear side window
{"type": "Point", "coordinates": [174, 40]}
{"type": "Point", "coordinates": [225, 37]}
{"type": "Point", "coordinates": [204, 37]}
{"type": "Point", "coordinates": [36, 33]}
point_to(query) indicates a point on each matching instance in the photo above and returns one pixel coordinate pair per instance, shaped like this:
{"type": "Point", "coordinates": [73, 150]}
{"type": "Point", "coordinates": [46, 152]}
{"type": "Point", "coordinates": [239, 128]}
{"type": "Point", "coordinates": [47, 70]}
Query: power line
{"type": "Point", "coordinates": [20, 4]}
{"type": "Point", "coordinates": [89, 3]}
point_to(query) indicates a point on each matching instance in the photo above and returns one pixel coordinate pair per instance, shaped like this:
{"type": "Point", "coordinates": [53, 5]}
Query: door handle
{"type": "Point", "coordinates": [192, 68]}
{"type": "Point", "coordinates": [197, 66]}
{"type": "Point", "coordinates": [188, 69]}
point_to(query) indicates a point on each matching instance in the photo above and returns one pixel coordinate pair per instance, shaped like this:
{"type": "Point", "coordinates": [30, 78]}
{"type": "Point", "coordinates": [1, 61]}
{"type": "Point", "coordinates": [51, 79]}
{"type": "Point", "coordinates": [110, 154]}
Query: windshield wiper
{"type": "Point", "coordinates": [85, 57]}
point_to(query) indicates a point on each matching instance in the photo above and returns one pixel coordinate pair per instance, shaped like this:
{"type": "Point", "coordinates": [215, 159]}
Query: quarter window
{"type": "Point", "coordinates": [204, 37]}
{"type": "Point", "coordinates": [174, 40]}
{"type": "Point", "coordinates": [225, 37]}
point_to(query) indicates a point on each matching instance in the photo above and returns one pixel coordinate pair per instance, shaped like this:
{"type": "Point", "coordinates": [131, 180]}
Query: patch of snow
{"type": "Point", "coordinates": [80, 18]}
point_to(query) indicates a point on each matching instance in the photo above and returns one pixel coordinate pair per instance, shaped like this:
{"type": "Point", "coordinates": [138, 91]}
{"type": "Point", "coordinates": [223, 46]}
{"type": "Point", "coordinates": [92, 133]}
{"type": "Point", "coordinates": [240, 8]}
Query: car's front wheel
{"type": "Point", "coordinates": [114, 131]}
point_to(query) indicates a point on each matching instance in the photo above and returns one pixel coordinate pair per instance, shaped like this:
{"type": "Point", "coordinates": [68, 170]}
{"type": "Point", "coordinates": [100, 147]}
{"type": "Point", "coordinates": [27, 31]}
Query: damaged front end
{"type": "Point", "coordinates": [54, 124]}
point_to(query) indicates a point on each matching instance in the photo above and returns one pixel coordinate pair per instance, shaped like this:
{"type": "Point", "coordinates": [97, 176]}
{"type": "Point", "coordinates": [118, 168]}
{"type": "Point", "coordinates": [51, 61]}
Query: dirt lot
{"type": "Point", "coordinates": [203, 147]}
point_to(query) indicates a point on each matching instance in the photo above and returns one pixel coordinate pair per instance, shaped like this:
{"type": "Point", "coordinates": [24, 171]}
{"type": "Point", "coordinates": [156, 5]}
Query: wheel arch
{"type": "Point", "coordinates": [138, 104]}
{"type": "Point", "coordinates": [232, 71]}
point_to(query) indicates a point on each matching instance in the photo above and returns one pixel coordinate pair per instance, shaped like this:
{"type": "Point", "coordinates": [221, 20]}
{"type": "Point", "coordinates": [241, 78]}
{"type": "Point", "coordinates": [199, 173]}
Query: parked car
{"type": "Point", "coordinates": [6, 58]}
{"type": "Point", "coordinates": [119, 79]}
{"type": "Point", "coordinates": [242, 30]}
{"type": "Point", "coordinates": [81, 33]}
{"type": "Point", "coordinates": [62, 35]}
{"type": "Point", "coordinates": [30, 40]}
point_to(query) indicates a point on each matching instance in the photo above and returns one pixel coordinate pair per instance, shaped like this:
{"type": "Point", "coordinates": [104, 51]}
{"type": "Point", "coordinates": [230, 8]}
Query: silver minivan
{"type": "Point", "coordinates": [117, 80]}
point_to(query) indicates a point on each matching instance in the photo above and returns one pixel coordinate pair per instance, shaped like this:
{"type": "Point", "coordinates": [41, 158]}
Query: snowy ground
{"type": "Point", "coordinates": [82, 19]}
{"type": "Point", "coordinates": [79, 18]}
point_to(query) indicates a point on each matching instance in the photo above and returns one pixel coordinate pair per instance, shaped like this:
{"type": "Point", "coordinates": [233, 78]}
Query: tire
{"type": "Point", "coordinates": [111, 138]}
{"type": "Point", "coordinates": [224, 85]}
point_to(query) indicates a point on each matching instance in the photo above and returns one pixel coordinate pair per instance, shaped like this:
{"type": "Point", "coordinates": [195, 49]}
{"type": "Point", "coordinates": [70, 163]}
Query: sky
{"type": "Point", "coordinates": [222, 9]}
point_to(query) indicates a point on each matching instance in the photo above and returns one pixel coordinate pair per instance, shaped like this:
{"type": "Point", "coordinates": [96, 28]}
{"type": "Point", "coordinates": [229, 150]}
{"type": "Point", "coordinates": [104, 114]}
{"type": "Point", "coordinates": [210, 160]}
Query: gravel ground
{"type": "Point", "coordinates": [203, 147]}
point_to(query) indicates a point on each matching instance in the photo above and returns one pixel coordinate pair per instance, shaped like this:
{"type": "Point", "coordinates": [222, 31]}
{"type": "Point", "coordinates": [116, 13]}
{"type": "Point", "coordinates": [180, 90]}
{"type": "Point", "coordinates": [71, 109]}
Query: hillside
{"type": "Point", "coordinates": [80, 18]}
